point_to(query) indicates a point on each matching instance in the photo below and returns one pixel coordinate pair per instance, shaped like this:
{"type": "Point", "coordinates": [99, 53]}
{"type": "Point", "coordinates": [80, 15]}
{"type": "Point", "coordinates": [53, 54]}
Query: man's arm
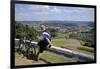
{"type": "Point", "coordinates": [49, 41]}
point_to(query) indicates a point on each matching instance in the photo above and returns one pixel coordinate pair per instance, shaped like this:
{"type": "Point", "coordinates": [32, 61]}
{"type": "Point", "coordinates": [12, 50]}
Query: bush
{"type": "Point", "coordinates": [88, 39]}
{"type": "Point", "coordinates": [27, 31]}
{"type": "Point", "coordinates": [88, 44]}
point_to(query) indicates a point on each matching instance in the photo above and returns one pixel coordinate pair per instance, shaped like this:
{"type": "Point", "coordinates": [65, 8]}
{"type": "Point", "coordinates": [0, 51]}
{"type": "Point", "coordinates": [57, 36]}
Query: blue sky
{"type": "Point", "coordinates": [26, 12]}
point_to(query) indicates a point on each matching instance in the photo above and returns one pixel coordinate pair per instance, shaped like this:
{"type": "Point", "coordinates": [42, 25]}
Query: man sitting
{"type": "Point", "coordinates": [45, 42]}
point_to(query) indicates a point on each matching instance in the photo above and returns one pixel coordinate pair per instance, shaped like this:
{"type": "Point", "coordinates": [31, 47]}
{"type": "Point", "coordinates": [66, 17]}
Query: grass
{"type": "Point", "coordinates": [86, 50]}
{"type": "Point", "coordinates": [63, 43]}
{"type": "Point", "coordinates": [54, 58]}
{"type": "Point", "coordinates": [60, 34]}
{"type": "Point", "coordinates": [59, 42]}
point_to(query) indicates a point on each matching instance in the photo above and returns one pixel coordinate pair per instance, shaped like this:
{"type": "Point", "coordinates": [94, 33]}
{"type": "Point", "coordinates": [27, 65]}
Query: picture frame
{"type": "Point", "coordinates": [13, 26]}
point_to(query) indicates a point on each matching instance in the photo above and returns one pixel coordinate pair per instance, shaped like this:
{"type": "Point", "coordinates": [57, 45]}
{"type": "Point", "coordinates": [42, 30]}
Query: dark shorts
{"type": "Point", "coordinates": [42, 44]}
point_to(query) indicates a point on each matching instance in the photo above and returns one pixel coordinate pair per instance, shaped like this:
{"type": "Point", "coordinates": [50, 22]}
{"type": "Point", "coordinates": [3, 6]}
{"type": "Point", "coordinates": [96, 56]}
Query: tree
{"type": "Point", "coordinates": [25, 31]}
{"type": "Point", "coordinates": [53, 32]}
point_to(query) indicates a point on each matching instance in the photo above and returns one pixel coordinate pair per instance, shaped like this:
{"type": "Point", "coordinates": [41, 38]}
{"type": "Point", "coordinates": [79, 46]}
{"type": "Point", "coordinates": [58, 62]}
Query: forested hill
{"type": "Point", "coordinates": [58, 23]}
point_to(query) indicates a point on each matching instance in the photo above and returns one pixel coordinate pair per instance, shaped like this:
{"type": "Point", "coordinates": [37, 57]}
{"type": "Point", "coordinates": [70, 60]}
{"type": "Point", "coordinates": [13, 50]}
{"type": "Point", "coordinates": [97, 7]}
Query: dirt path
{"type": "Point", "coordinates": [21, 60]}
{"type": "Point", "coordinates": [73, 43]}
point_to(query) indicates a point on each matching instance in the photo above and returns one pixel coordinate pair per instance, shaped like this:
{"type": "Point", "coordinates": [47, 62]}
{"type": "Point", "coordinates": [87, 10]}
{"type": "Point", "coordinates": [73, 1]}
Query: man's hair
{"type": "Point", "coordinates": [43, 27]}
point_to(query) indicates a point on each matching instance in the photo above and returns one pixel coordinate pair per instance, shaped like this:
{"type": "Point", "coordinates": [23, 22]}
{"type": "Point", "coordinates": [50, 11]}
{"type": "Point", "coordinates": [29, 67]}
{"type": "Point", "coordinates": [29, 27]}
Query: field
{"type": "Point", "coordinates": [72, 44]}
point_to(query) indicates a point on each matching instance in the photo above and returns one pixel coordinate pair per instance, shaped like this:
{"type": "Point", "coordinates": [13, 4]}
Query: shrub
{"type": "Point", "coordinates": [27, 31]}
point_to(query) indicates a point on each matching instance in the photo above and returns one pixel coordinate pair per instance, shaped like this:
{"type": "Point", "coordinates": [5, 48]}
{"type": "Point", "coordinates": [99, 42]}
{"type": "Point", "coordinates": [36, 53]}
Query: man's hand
{"type": "Point", "coordinates": [49, 46]}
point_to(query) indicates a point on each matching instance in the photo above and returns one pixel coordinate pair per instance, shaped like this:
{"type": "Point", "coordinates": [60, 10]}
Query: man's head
{"type": "Point", "coordinates": [43, 27]}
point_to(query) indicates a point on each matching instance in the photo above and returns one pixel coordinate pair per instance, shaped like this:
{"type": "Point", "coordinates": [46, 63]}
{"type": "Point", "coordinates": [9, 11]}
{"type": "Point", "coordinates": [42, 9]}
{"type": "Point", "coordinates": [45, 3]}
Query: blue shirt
{"type": "Point", "coordinates": [46, 35]}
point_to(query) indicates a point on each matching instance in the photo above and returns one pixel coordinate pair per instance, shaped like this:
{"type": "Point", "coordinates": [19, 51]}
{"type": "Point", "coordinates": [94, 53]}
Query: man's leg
{"type": "Point", "coordinates": [38, 54]}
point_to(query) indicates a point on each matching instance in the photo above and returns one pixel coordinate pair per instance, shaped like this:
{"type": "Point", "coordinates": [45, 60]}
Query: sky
{"type": "Point", "coordinates": [26, 12]}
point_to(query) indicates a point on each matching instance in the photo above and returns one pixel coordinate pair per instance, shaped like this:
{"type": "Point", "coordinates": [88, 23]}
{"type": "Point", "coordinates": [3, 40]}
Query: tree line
{"type": "Point", "coordinates": [28, 31]}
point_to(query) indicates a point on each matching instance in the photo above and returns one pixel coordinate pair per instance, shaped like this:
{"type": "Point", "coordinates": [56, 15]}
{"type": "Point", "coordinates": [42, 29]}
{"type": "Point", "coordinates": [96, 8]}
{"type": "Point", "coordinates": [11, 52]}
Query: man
{"type": "Point", "coordinates": [45, 42]}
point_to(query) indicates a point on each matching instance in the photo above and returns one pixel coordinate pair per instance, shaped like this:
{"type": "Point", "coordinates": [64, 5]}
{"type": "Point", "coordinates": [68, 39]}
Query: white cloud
{"type": "Point", "coordinates": [46, 6]}
{"type": "Point", "coordinates": [45, 9]}
{"type": "Point", "coordinates": [55, 10]}
{"type": "Point", "coordinates": [39, 8]}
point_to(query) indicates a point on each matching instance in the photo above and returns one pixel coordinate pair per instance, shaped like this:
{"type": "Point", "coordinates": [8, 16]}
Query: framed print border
{"type": "Point", "coordinates": [12, 32]}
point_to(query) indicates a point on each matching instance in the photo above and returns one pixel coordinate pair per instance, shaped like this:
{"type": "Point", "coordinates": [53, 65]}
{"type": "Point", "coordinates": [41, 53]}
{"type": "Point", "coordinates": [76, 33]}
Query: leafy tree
{"type": "Point", "coordinates": [25, 31]}
{"type": "Point", "coordinates": [53, 32]}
